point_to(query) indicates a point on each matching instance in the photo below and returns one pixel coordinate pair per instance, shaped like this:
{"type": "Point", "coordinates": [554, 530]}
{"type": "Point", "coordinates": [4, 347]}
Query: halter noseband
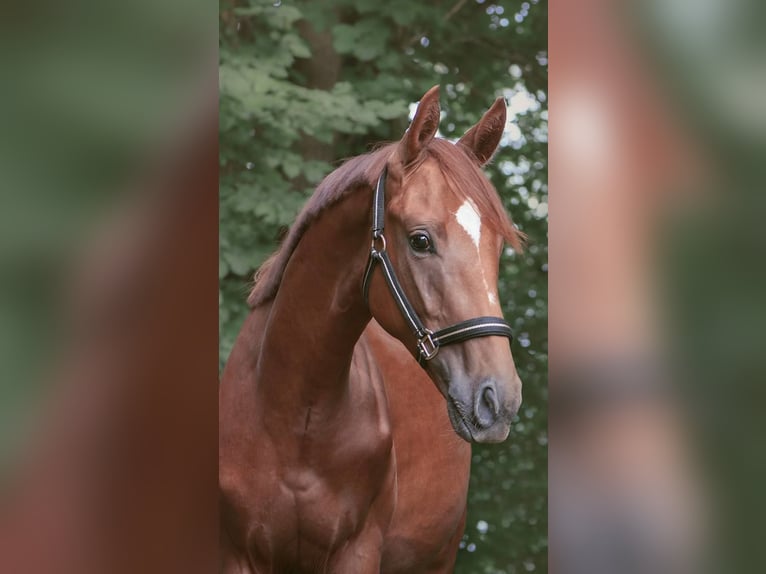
{"type": "Point", "coordinates": [429, 341]}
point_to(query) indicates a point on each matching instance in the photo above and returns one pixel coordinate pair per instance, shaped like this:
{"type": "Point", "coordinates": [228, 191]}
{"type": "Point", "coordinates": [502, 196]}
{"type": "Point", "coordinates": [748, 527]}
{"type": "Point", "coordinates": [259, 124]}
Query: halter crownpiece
{"type": "Point", "coordinates": [428, 342]}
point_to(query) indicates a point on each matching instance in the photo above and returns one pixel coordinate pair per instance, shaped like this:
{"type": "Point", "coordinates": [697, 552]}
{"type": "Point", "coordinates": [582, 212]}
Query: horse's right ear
{"type": "Point", "coordinates": [423, 127]}
{"type": "Point", "coordinates": [482, 140]}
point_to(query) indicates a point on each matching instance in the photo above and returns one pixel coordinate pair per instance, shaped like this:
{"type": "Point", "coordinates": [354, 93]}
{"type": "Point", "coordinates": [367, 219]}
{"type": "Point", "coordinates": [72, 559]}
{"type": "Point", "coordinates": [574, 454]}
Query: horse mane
{"type": "Point", "coordinates": [463, 176]}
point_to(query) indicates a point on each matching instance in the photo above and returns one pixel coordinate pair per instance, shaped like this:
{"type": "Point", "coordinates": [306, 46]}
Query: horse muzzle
{"type": "Point", "coordinates": [486, 416]}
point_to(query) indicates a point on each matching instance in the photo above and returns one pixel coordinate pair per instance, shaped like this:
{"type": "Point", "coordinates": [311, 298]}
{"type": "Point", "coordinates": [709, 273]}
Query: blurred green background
{"type": "Point", "coordinates": [304, 85]}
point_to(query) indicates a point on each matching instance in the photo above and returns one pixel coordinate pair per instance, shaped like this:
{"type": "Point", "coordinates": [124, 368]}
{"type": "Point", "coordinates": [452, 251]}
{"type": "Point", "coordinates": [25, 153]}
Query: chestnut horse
{"type": "Point", "coordinates": [333, 455]}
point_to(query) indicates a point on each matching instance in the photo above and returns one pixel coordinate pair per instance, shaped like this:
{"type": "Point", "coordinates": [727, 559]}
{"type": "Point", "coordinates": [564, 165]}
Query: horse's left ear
{"type": "Point", "coordinates": [423, 127]}
{"type": "Point", "coordinates": [483, 138]}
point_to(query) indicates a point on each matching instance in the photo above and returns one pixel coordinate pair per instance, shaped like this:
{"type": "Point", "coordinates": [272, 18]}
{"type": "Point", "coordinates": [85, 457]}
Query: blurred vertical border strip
{"type": "Point", "coordinates": [658, 137]}
{"type": "Point", "coordinates": [108, 287]}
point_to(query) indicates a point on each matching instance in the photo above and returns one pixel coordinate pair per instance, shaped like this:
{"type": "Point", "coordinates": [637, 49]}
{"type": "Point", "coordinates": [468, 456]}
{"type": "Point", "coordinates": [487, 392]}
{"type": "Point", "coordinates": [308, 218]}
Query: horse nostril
{"type": "Point", "coordinates": [486, 406]}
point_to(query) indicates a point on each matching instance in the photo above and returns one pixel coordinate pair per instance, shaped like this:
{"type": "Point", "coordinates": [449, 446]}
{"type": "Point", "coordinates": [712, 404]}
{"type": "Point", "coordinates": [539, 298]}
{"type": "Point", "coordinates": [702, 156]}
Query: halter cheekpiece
{"type": "Point", "coordinates": [428, 342]}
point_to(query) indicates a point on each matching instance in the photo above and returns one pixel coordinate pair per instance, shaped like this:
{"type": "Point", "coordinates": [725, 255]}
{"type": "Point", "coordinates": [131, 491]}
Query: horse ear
{"type": "Point", "coordinates": [483, 138]}
{"type": "Point", "coordinates": [423, 127]}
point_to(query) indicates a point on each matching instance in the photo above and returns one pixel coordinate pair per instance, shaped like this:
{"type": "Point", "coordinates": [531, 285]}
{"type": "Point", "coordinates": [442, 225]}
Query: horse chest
{"type": "Point", "coordinates": [305, 522]}
{"type": "Point", "coordinates": [333, 490]}
{"type": "Point", "coordinates": [308, 508]}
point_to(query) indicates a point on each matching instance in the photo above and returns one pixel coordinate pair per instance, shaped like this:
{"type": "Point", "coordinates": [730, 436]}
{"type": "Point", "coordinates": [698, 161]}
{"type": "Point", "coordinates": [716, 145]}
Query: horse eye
{"type": "Point", "coordinates": [420, 242]}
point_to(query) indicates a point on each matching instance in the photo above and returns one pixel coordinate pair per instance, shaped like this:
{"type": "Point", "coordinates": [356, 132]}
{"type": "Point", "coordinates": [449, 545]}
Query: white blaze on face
{"type": "Point", "coordinates": [470, 220]}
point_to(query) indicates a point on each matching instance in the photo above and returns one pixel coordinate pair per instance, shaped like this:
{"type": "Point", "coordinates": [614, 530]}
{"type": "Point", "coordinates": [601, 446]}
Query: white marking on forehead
{"type": "Point", "coordinates": [469, 219]}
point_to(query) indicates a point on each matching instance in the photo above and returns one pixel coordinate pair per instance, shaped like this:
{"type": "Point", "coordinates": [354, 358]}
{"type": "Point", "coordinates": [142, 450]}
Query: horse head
{"type": "Point", "coordinates": [445, 229]}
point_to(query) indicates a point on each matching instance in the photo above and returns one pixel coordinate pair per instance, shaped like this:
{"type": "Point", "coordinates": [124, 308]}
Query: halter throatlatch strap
{"type": "Point", "coordinates": [428, 342]}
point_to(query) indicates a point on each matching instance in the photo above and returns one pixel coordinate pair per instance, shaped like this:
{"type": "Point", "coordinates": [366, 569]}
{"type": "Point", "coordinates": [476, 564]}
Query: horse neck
{"type": "Point", "coordinates": [319, 312]}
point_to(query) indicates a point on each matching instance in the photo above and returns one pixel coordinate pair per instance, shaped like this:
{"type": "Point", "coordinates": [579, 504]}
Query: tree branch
{"type": "Point", "coordinates": [450, 13]}
{"type": "Point", "coordinates": [454, 10]}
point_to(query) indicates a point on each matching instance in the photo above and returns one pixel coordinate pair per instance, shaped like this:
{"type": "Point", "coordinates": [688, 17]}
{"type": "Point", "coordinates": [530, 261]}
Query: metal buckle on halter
{"type": "Point", "coordinates": [427, 346]}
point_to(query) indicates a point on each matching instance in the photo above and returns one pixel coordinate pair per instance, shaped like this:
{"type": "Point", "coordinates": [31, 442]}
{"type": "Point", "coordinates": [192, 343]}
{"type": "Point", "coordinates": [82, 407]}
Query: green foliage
{"type": "Point", "coordinates": [305, 84]}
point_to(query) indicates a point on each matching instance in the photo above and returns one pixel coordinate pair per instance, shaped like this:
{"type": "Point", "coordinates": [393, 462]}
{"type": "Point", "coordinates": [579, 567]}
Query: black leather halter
{"type": "Point", "coordinates": [429, 341]}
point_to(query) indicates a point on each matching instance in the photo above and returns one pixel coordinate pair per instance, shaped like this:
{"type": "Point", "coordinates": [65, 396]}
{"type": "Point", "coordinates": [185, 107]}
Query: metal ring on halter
{"type": "Point", "coordinates": [374, 239]}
